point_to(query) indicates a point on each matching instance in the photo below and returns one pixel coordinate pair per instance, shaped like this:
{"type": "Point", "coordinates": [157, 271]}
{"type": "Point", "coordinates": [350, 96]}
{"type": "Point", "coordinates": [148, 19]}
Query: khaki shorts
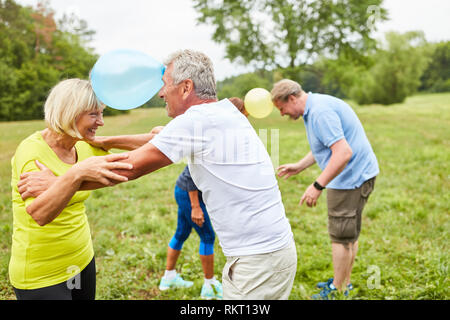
{"type": "Point", "coordinates": [268, 276]}
{"type": "Point", "coordinates": [344, 211]}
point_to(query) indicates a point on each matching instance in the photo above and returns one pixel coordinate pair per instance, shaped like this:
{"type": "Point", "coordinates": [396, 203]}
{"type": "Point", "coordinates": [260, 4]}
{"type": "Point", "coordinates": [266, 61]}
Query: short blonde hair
{"type": "Point", "coordinates": [285, 88]}
{"type": "Point", "coordinates": [66, 101]}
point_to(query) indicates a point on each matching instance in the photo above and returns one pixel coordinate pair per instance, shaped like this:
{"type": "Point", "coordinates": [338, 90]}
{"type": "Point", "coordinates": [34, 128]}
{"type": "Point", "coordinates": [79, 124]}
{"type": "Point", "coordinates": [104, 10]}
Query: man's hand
{"type": "Point", "coordinates": [310, 196]}
{"type": "Point", "coordinates": [32, 184]}
{"type": "Point", "coordinates": [197, 216]}
{"type": "Point", "coordinates": [99, 169]}
{"type": "Point", "coordinates": [157, 129]}
{"type": "Point", "coordinates": [287, 170]}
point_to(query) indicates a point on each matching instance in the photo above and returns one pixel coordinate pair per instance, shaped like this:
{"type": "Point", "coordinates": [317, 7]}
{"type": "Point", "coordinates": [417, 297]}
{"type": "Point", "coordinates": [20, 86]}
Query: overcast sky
{"type": "Point", "coordinates": [161, 27]}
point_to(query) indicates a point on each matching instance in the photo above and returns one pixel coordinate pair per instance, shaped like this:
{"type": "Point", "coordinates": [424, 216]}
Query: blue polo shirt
{"type": "Point", "coordinates": [327, 120]}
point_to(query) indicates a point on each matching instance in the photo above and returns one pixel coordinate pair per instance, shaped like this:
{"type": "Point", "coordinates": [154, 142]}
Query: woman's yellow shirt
{"type": "Point", "coordinates": [54, 253]}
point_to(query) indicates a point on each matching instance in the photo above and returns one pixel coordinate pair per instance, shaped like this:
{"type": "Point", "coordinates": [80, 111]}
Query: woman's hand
{"type": "Point", "coordinates": [197, 216]}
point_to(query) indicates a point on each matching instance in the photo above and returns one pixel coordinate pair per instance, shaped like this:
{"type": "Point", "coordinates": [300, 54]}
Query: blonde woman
{"type": "Point", "coordinates": [52, 256]}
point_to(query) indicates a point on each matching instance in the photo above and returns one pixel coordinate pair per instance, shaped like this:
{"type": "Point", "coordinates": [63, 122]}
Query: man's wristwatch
{"type": "Point", "coordinates": [318, 186]}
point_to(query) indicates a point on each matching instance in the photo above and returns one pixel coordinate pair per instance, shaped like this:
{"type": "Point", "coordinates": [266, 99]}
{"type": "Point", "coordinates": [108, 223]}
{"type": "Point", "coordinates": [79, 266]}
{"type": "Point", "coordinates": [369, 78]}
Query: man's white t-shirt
{"type": "Point", "coordinates": [230, 165]}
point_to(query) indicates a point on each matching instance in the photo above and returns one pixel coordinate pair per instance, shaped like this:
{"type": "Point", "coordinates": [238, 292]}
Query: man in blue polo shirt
{"type": "Point", "coordinates": [349, 166]}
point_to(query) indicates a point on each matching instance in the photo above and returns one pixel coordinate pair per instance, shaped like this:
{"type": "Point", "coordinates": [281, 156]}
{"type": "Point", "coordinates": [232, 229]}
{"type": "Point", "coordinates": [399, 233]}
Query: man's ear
{"type": "Point", "coordinates": [292, 98]}
{"type": "Point", "coordinates": [187, 87]}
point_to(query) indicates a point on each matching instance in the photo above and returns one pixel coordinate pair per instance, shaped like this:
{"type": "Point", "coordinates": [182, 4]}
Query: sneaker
{"type": "Point", "coordinates": [326, 293]}
{"type": "Point", "coordinates": [322, 285]}
{"type": "Point", "coordinates": [212, 291]}
{"type": "Point", "coordinates": [177, 282]}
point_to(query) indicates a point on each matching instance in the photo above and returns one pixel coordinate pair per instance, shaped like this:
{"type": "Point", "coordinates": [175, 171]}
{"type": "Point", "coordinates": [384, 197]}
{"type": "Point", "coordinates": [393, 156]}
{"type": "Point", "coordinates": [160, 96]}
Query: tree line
{"type": "Point", "coordinates": [325, 45]}
{"type": "Point", "coordinates": [36, 52]}
{"type": "Point", "coordinates": [401, 65]}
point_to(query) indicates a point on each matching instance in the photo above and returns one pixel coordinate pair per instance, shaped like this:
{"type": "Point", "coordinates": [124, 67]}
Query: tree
{"type": "Point", "coordinates": [436, 77]}
{"type": "Point", "coordinates": [36, 52]}
{"type": "Point", "coordinates": [286, 34]}
{"type": "Point", "coordinates": [391, 74]}
{"type": "Point", "coordinates": [238, 86]}
{"type": "Point", "coordinates": [44, 26]}
{"type": "Point", "coordinates": [399, 67]}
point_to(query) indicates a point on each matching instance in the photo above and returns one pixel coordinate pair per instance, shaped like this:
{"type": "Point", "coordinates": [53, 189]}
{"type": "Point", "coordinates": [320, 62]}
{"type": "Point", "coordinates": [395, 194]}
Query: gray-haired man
{"type": "Point", "coordinates": [240, 189]}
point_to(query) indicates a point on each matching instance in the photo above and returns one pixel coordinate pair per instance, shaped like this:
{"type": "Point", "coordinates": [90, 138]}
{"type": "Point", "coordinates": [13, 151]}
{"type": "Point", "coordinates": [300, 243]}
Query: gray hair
{"type": "Point", "coordinates": [285, 88]}
{"type": "Point", "coordinates": [194, 65]}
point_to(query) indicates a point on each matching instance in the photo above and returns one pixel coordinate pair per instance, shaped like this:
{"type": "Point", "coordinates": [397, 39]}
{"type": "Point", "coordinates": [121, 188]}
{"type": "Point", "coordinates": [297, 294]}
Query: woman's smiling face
{"type": "Point", "coordinates": [88, 122]}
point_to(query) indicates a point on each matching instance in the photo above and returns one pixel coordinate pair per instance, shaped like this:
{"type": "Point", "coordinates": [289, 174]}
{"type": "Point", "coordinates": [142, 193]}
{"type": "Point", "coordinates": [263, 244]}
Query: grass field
{"type": "Point", "coordinates": [404, 244]}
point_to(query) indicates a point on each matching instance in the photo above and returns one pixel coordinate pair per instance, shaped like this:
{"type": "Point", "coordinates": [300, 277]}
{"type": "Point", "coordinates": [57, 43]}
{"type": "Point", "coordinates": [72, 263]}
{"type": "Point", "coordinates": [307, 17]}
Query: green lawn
{"type": "Point", "coordinates": [404, 244]}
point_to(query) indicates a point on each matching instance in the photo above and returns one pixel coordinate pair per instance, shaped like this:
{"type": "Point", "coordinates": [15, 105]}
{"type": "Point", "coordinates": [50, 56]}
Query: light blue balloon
{"type": "Point", "coordinates": [126, 79]}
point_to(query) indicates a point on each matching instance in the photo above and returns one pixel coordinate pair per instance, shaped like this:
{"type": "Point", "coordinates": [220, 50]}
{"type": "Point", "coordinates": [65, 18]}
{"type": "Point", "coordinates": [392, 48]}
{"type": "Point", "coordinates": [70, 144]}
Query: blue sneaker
{"type": "Point", "coordinates": [177, 282]}
{"type": "Point", "coordinates": [322, 285]}
{"type": "Point", "coordinates": [212, 291]}
{"type": "Point", "coordinates": [326, 293]}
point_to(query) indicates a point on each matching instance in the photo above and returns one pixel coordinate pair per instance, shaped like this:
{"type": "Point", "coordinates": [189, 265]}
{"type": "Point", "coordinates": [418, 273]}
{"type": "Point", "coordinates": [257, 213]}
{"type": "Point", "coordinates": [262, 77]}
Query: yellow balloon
{"type": "Point", "coordinates": [258, 103]}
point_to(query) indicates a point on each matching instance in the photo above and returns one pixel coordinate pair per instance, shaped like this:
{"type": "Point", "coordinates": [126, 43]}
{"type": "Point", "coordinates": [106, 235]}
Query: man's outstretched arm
{"type": "Point", "coordinates": [51, 202]}
{"type": "Point", "coordinates": [145, 159]}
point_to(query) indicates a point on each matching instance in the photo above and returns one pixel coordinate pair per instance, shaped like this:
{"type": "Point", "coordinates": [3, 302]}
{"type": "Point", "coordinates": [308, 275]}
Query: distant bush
{"type": "Point", "coordinates": [436, 77]}
{"type": "Point", "coordinates": [389, 74]}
